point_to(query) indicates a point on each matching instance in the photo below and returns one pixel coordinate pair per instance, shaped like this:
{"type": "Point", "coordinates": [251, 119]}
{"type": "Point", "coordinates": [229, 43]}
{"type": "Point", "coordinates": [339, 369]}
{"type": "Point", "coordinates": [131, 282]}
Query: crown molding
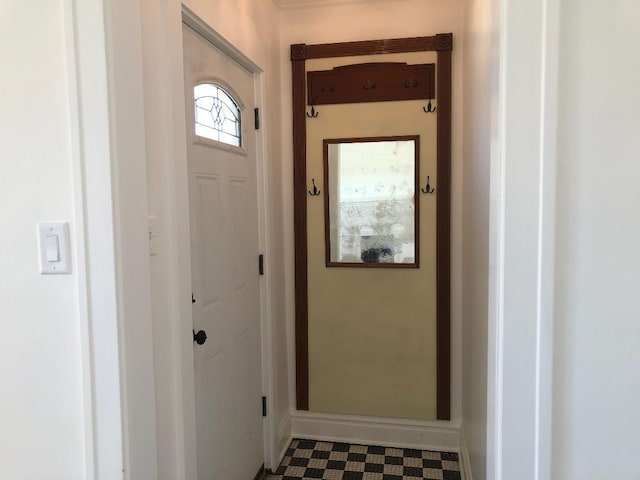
{"type": "Point", "coordinates": [300, 4]}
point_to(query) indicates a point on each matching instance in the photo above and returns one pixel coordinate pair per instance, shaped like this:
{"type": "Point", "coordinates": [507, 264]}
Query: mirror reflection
{"type": "Point", "coordinates": [370, 201]}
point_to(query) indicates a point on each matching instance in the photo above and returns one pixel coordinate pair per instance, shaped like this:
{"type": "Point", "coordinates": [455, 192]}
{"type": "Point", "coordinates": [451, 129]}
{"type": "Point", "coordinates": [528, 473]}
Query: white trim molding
{"type": "Point", "coordinates": [197, 24]}
{"type": "Point", "coordinates": [522, 233]}
{"type": "Point", "coordinates": [131, 236]}
{"type": "Point", "coordinates": [93, 236]}
{"type": "Point", "coordinates": [390, 432]}
{"type": "Point", "coordinates": [284, 436]}
{"type": "Point", "coordinates": [465, 462]}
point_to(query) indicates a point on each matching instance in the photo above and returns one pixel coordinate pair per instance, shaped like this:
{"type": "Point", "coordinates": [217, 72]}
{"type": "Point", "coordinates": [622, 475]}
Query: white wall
{"type": "Point", "coordinates": [480, 89]}
{"type": "Point", "coordinates": [597, 313]}
{"type": "Point", "coordinates": [41, 405]}
{"type": "Point", "coordinates": [335, 23]}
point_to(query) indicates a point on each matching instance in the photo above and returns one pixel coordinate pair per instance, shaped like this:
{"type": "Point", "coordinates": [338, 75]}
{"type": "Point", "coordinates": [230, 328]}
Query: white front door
{"type": "Point", "coordinates": [224, 248]}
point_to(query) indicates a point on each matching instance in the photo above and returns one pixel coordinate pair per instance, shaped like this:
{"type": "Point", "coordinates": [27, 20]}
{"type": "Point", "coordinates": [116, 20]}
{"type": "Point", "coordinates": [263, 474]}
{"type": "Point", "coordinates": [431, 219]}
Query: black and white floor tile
{"type": "Point", "coordinates": [310, 459]}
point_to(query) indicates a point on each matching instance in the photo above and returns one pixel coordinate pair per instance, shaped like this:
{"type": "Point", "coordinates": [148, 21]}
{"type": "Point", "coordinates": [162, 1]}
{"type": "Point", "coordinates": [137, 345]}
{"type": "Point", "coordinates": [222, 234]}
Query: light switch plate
{"type": "Point", "coordinates": [53, 241]}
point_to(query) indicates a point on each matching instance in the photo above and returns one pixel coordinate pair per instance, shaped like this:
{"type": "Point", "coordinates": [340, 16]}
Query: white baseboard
{"type": "Point", "coordinates": [390, 432]}
{"type": "Point", "coordinates": [465, 464]}
{"type": "Point", "coordinates": [284, 436]}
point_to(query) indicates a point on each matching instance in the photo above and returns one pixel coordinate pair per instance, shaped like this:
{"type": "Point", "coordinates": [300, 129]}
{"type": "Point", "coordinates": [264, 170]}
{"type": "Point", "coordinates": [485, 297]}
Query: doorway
{"type": "Point", "coordinates": [224, 231]}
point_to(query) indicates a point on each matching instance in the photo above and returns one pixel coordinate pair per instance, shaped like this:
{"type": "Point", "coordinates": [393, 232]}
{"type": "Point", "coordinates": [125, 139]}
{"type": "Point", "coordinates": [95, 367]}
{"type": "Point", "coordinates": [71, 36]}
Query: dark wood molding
{"type": "Point", "coordinates": [443, 237]}
{"type": "Point", "coordinates": [371, 82]}
{"type": "Point", "coordinates": [416, 214]}
{"type": "Point", "coordinates": [298, 51]}
{"type": "Point", "coordinates": [300, 232]}
{"type": "Point", "coordinates": [370, 47]}
{"type": "Point", "coordinates": [443, 44]}
{"type": "Point", "coordinates": [372, 265]}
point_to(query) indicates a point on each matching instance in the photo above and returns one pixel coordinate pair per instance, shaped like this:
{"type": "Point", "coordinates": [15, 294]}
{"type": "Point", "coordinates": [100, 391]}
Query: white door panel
{"type": "Point", "coordinates": [224, 242]}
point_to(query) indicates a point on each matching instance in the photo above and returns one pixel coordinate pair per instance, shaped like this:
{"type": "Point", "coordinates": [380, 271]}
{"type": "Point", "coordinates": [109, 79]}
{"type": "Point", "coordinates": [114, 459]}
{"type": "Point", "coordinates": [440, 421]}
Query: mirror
{"type": "Point", "coordinates": [371, 213]}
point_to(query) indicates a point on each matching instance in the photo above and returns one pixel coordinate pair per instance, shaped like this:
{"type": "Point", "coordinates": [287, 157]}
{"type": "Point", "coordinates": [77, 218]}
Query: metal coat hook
{"type": "Point", "coordinates": [369, 84]}
{"type": "Point", "coordinates": [315, 192]}
{"type": "Point", "coordinates": [313, 113]}
{"type": "Point", "coordinates": [429, 108]}
{"type": "Point", "coordinates": [427, 189]}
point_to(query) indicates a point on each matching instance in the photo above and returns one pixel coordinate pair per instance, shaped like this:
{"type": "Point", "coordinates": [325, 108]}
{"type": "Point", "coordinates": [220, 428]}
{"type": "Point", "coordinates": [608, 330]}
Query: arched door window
{"type": "Point", "coordinates": [217, 114]}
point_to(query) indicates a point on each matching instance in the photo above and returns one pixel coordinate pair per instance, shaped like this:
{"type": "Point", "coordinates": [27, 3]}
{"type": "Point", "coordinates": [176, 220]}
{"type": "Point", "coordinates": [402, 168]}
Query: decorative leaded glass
{"type": "Point", "coordinates": [217, 115]}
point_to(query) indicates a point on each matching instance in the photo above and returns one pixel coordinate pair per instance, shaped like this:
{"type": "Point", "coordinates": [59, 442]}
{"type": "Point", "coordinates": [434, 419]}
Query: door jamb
{"type": "Point", "coordinates": [108, 163]}
{"type": "Point", "coordinates": [94, 262]}
{"type": "Point", "coordinates": [522, 241]}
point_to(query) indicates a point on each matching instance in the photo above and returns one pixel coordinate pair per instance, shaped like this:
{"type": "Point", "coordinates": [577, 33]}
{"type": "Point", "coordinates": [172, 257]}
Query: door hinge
{"type": "Point", "coordinates": [264, 406]}
{"type": "Point", "coordinates": [261, 264]}
{"type": "Point", "coordinates": [256, 112]}
{"type": "Point", "coordinates": [193, 299]}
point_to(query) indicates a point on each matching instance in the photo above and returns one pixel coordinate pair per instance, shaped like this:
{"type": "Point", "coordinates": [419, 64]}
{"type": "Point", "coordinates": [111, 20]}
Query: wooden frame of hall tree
{"type": "Point", "coordinates": [442, 44]}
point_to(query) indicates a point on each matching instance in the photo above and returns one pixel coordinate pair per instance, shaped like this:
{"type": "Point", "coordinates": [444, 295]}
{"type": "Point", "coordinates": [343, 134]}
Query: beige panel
{"type": "Point", "coordinates": [372, 331]}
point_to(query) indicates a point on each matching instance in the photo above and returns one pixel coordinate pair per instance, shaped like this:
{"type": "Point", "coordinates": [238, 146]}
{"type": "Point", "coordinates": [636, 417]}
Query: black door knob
{"type": "Point", "coordinates": [200, 337]}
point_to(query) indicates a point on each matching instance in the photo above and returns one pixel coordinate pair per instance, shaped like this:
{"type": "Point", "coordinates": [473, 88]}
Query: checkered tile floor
{"type": "Point", "coordinates": [309, 459]}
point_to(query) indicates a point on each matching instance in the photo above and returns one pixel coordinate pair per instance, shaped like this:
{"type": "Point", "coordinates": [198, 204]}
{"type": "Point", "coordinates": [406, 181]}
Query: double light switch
{"type": "Point", "coordinates": [54, 248]}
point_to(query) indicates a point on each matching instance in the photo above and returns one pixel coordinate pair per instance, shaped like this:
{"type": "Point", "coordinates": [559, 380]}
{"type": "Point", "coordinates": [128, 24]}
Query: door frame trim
{"type": "Point", "coordinates": [95, 259]}
{"type": "Point", "coordinates": [108, 156]}
{"type": "Point", "coordinates": [443, 45]}
{"type": "Point", "coordinates": [522, 229]}
{"type": "Point", "coordinates": [193, 21]}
